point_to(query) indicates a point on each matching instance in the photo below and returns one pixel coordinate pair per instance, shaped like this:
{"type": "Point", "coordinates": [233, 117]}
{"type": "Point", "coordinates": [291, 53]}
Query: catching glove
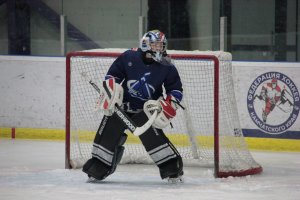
{"type": "Point", "coordinates": [166, 111]}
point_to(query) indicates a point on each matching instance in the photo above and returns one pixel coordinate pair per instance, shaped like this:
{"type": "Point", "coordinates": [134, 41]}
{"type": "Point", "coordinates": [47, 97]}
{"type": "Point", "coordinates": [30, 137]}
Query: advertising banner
{"type": "Point", "coordinates": [268, 95]}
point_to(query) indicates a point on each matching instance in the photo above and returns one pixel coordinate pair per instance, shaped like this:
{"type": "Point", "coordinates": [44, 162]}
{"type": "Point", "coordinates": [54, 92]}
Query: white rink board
{"type": "Point", "coordinates": [33, 90]}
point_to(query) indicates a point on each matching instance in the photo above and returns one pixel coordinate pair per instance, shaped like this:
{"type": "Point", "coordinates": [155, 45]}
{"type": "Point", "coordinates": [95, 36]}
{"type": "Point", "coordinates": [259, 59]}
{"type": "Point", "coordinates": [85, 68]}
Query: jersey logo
{"type": "Point", "coordinates": [140, 88]}
{"type": "Point", "coordinates": [273, 102]}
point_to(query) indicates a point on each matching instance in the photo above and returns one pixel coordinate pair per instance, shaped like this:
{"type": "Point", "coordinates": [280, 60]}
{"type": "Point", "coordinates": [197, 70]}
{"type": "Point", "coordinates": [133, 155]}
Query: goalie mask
{"type": "Point", "coordinates": [154, 43]}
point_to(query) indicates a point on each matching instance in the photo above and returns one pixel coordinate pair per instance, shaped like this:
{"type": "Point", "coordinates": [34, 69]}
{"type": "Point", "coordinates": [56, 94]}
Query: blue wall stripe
{"type": "Point", "coordinates": [260, 134]}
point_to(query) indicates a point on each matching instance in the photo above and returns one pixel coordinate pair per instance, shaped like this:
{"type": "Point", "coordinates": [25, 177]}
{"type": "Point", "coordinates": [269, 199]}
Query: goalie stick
{"type": "Point", "coordinates": [136, 130]}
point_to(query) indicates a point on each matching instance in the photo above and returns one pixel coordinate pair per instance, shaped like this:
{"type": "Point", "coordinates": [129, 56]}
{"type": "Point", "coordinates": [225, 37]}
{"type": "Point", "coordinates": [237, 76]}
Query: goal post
{"type": "Point", "coordinates": [206, 133]}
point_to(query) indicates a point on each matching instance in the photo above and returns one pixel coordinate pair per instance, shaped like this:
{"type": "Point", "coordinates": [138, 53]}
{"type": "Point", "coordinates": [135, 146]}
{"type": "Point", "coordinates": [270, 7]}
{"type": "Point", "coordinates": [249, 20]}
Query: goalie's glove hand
{"type": "Point", "coordinates": [168, 106]}
{"type": "Point", "coordinates": [166, 111]}
{"type": "Point", "coordinates": [111, 93]}
{"type": "Point", "coordinates": [150, 106]}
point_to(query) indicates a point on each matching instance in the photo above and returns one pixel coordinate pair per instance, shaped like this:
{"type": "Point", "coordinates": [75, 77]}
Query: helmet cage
{"type": "Point", "coordinates": [155, 43]}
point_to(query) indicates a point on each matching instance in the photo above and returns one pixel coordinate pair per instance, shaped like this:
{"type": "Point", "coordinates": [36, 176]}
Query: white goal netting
{"type": "Point", "coordinates": [207, 132]}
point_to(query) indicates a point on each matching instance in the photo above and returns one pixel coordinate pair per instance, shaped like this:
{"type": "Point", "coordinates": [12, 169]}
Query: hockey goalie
{"type": "Point", "coordinates": [140, 82]}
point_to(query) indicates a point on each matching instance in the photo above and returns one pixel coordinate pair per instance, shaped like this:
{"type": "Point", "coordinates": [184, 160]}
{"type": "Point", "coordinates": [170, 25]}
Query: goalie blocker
{"type": "Point", "coordinates": [108, 148]}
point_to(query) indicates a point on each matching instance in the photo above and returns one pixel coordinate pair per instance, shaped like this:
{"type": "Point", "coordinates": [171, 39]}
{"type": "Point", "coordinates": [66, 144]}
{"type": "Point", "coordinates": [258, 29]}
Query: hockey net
{"type": "Point", "coordinates": [207, 133]}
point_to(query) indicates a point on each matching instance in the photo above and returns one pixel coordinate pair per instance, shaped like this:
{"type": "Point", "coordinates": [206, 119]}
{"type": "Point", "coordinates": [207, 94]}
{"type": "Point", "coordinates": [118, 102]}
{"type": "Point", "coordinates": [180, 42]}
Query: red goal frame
{"type": "Point", "coordinates": [212, 58]}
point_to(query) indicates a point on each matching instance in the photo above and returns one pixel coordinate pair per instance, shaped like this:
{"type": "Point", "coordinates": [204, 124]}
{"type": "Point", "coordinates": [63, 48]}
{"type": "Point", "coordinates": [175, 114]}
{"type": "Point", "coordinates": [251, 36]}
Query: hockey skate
{"type": "Point", "coordinates": [93, 180]}
{"type": "Point", "coordinates": [175, 179]}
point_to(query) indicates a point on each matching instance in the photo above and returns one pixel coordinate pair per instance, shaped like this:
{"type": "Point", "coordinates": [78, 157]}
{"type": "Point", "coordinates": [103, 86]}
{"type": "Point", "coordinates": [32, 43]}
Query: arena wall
{"type": "Point", "coordinates": [32, 101]}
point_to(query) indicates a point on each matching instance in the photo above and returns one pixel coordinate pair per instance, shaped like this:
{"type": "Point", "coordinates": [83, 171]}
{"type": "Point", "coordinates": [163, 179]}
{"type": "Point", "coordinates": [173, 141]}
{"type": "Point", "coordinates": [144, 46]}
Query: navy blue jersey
{"type": "Point", "coordinates": [142, 82]}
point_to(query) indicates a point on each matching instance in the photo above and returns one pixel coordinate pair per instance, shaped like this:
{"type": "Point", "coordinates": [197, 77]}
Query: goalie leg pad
{"type": "Point", "coordinates": [96, 169]}
{"type": "Point", "coordinates": [99, 170]}
{"type": "Point", "coordinates": [171, 169]}
{"type": "Point", "coordinates": [160, 149]}
{"type": "Point", "coordinates": [107, 148]}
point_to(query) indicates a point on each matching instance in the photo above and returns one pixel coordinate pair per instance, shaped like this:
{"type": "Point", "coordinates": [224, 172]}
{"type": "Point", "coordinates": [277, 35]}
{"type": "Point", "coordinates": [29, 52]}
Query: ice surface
{"type": "Point", "coordinates": [34, 170]}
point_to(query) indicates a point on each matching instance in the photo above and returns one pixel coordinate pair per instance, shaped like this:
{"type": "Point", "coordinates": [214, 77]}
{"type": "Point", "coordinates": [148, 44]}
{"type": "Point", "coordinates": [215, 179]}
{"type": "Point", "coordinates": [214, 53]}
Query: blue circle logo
{"type": "Point", "coordinates": [273, 102]}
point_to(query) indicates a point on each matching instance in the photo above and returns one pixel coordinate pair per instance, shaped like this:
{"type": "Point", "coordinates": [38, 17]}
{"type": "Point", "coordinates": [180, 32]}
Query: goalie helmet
{"type": "Point", "coordinates": [155, 44]}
